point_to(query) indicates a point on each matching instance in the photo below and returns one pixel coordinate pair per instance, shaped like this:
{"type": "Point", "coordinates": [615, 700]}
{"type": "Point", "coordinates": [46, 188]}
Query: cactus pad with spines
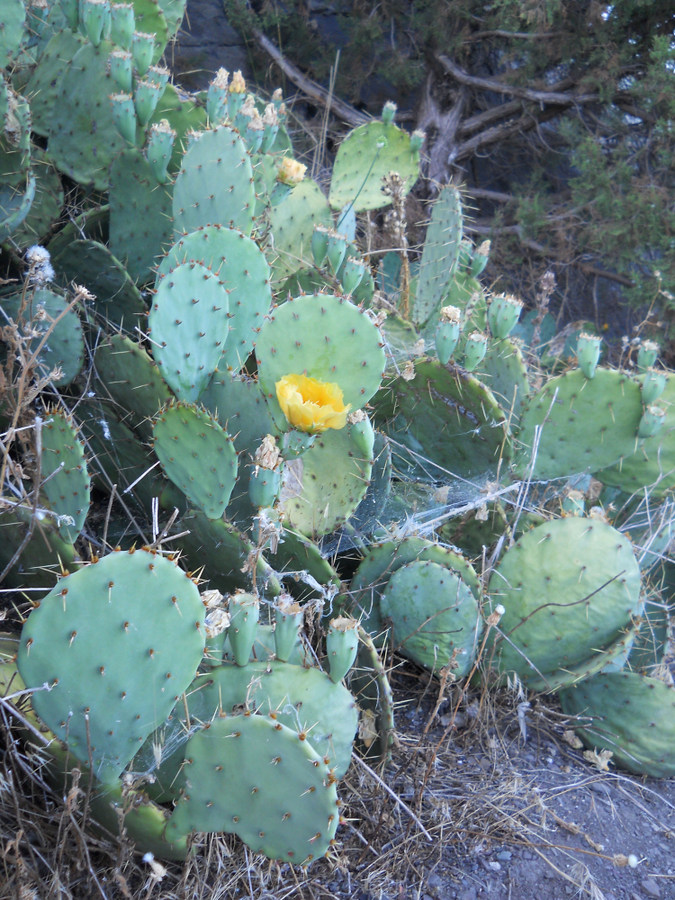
{"type": "Point", "coordinates": [140, 214]}
{"type": "Point", "coordinates": [245, 275]}
{"type": "Point", "coordinates": [327, 338]}
{"type": "Point", "coordinates": [383, 560]}
{"type": "Point", "coordinates": [449, 421]}
{"type": "Point", "coordinates": [66, 484]}
{"type": "Point", "coordinates": [322, 488]}
{"type": "Point", "coordinates": [84, 143]}
{"type": "Point", "coordinates": [632, 715]}
{"type": "Point", "coordinates": [215, 183]}
{"type": "Point", "coordinates": [116, 643]}
{"type": "Point", "coordinates": [292, 224]}
{"type": "Point", "coordinates": [653, 462]}
{"type": "Point", "coordinates": [57, 328]}
{"type": "Point", "coordinates": [368, 154]}
{"type": "Point", "coordinates": [132, 380]}
{"type": "Point", "coordinates": [439, 254]}
{"type": "Point", "coordinates": [197, 455]}
{"type": "Point", "coordinates": [571, 588]}
{"type": "Point", "coordinates": [302, 698]}
{"type": "Point", "coordinates": [560, 414]}
{"type": "Point", "coordinates": [435, 616]}
{"type": "Point", "coordinates": [254, 777]}
{"type": "Point", "coordinates": [188, 326]}
{"type": "Point", "coordinates": [90, 263]}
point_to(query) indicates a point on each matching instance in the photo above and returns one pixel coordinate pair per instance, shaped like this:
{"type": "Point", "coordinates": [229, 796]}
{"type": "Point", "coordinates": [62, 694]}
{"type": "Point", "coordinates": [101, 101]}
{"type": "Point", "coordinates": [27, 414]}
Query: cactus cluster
{"type": "Point", "coordinates": [228, 378]}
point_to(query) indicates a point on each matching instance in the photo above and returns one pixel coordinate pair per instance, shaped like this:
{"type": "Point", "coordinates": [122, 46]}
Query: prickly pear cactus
{"type": "Point", "coordinates": [188, 325]}
{"type": "Point", "coordinates": [109, 651]}
{"type": "Point", "coordinates": [215, 183]}
{"type": "Point", "coordinates": [254, 777]}
{"type": "Point", "coordinates": [326, 338]}
{"type": "Point", "coordinates": [439, 255]}
{"type": "Point", "coordinates": [571, 591]}
{"type": "Point", "coordinates": [631, 715]}
{"type": "Point", "coordinates": [197, 455]}
{"type": "Point", "coordinates": [435, 616]}
{"type": "Point", "coordinates": [368, 154]}
{"type": "Point", "coordinates": [66, 485]}
{"type": "Point", "coordinates": [558, 417]}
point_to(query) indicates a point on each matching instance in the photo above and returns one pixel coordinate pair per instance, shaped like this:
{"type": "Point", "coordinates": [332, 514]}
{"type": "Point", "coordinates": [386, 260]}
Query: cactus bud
{"type": "Point", "coordinates": [95, 16]}
{"type": "Point", "coordinates": [388, 112]}
{"type": "Point", "coordinates": [159, 149]}
{"type": "Point", "coordinates": [362, 434]}
{"type": "Point", "coordinates": [503, 313]}
{"type": "Point", "coordinates": [337, 250]}
{"type": "Point", "coordinates": [146, 98]}
{"type": "Point", "coordinates": [480, 259]}
{"type": "Point", "coordinates": [319, 245]}
{"type": "Point", "coordinates": [265, 480]}
{"type": "Point", "coordinates": [351, 274]}
{"type": "Point", "coordinates": [588, 353]}
{"type": "Point", "coordinates": [124, 116]}
{"type": "Point", "coordinates": [647, 354]}
{"type": "Point", "coordinates": [244, 614]}
{"type": "Point", "coordinates": [653, 385]}
{"type": "Point", "coordinates": [236, 95]}
{"type": "Point", "coordinates": [474, 350]}
{"type": "Point", "coordinates": [158, 75]}
{"type": "Point", "coordinates": [651, 421]}
{"type": "Point", "coordinates": [121, 69]}
{"type": "Point", "coordinates": [447, 334]}
{"type": "Point", "coordinates": [122, 25]}
{"type": "Point", "coordinates": [417, 139]}
{"type": "Point", "coordinates": [270, 121]}
{"type": "Point", "coordinates": [287, 623]}
{"type": "Point", "coordinates": [142, 50]}
{"type": "Point", "coordinates": [342, 642]}
{"type": "Point", "coordinates": [216, 97]}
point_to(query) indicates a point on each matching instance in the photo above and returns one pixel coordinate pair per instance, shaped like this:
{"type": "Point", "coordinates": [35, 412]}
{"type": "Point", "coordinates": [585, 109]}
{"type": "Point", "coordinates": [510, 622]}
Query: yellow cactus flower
{"type": "Point", "coordinates": [311, 405]}
{"type": "Point", "coordinates": [291, 172]}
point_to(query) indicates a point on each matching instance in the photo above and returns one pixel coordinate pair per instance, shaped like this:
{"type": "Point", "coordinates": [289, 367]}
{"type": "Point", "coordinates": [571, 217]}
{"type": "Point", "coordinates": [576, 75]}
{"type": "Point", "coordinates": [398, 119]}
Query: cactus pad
{"type": "Point", "coordinates": [252, 776]}
{"type": "Point", "coordinates": [633, 716]}
{"type": "Point", "coordinates": [449, 420]}
{"type": "Point", "coordinates": [585, 424]}
{"type": "Point", "coordinates": [324, 337]}
{"type": "Point", "coordinates": [215, 183]}
{"type": "Point", "coordinates": [243, 271]}
{"type": "Point", "coordinates": [570, 588]}
{"type": "Point", "coordinates": [368, 154]}
{"type": "Point", "coordinates": [435, 616]}
{"type": "Point", "coordinates": [64, 468]}
{"type": "Point", "coordinates": [188, 325]}
{"type": "Point", "coordinates": [197, 455]}
{"type": "Point", "coordinates": [110, 649]}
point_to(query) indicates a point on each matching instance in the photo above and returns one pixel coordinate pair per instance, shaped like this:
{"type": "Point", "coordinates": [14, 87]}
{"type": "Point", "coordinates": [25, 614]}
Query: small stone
{"type": "Point", "coordinates": [651, 888]}
{"type": "Point", "coordinates": [600, 788]}
{"type": "Point", "coordinates": [504, 855]}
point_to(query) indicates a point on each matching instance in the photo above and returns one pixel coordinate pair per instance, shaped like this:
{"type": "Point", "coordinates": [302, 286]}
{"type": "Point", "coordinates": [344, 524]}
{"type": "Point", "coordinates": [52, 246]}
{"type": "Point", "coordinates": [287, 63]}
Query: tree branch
{"type": "Point", "coordinates": [493, 84]}
{"type": "Point", "coordinates": [314, 91]}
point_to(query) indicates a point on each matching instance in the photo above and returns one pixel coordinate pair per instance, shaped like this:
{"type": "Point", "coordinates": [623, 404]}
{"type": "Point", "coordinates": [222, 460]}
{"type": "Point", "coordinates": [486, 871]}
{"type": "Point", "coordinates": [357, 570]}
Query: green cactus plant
{"type": "Point", "coordinates": [103, 697]}
{"type": "Point", "coordinates": [629, 714]}
{"type": "Point", "coordinates": [571, 590]}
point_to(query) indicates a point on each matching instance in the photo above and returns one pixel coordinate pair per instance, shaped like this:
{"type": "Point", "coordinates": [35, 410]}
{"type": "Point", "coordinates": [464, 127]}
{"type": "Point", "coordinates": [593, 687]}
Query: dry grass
{"type": "Point", "coordinates": [434, 806]}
